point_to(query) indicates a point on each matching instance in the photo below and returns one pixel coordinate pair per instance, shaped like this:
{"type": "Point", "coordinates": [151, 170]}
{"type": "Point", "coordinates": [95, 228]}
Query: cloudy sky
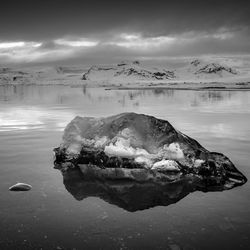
{"type": "Point", "coordinates": [87, 32]}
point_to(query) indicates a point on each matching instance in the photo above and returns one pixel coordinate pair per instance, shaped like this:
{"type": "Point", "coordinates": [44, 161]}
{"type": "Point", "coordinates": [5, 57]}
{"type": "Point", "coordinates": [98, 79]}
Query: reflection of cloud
{"type": "Point", "coordinates": [33, 118]}
{"type": "Point", "coordinates": [216, 130]}
{"type": "Point", "coordinates": [220, 130]}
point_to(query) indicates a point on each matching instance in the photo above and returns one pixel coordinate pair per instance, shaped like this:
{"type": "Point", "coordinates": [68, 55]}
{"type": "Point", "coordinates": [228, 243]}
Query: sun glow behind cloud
{"type": "Point", "coordinates": [28, 51]}
{"type": "Point", "coordinates": [76, 42]}
{"type": "Point", "coordinates": [20, 44]}
{"type": "Point", "coordinates": [137, 41]}
{"type": "Point", "coordinates": [8, 45]}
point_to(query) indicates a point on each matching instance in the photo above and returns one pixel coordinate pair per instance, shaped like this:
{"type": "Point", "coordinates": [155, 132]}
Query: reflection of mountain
{"type": "Point", "coordinates": [86, 96]}
{"type": "Point", "coordinates": [212, 97]}
{"type": "Point", "coordinates": [215, 96]}
{"type": "Point", "coordinates": [129, 195]}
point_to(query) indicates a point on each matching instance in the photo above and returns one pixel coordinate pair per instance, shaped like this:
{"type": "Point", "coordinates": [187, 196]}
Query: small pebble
{"type": "Point", "coordinates": [20, 187]}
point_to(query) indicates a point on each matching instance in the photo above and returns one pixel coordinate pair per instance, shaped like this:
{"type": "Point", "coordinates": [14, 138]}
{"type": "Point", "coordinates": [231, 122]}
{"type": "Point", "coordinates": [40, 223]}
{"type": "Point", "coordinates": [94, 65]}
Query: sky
{"type": "Point", "coordinates": [92, 32]}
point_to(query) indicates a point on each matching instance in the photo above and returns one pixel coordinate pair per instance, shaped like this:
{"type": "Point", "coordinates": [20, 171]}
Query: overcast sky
{"type": "Point", "coordinates": [88, 32]}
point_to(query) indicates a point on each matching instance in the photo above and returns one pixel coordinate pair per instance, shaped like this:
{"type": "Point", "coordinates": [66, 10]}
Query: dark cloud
{"type": "Point", "coordinates": [48, 45]}
{"type": "Point", "coordinates": [36, 20]}
{"type": "Point", "coordinates": [107, 31]}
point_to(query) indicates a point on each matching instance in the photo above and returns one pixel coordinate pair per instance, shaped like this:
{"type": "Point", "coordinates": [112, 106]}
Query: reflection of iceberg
{"type": "Point", "coordinates": [129, 195]}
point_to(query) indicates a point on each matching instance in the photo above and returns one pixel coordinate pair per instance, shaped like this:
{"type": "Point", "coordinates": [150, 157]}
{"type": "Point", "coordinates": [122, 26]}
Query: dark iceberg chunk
{"type": "Point", "coordinates": [142, 149]}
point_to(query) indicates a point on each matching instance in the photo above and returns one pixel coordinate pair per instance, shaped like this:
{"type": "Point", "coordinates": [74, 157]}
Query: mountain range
{"type": "Point", "coordinates": [128, 72]}
{"type": "Point", "coordinates": [135, 71]}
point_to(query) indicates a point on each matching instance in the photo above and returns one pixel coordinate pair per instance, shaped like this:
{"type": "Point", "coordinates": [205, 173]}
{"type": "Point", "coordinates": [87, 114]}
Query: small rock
{"type": "Point", "coordinates": [20, 187]}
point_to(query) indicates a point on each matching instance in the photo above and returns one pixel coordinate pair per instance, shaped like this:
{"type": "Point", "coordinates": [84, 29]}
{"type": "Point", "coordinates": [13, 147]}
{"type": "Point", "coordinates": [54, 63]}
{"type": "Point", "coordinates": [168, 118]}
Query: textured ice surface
{"type": "Point", "coordinates": [140, 147]}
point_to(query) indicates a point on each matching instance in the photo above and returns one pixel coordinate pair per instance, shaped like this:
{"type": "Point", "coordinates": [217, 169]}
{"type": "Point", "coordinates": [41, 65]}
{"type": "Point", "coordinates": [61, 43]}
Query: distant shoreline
{"type": "Point", "coordinates": [178, 86]}
{"type": "Point", "coordinates": [181, 88]}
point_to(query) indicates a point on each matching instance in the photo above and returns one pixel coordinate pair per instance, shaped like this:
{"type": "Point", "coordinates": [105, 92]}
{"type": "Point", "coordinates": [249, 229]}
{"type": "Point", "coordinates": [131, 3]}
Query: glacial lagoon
{"type": "Point", "coordinates": [62, 212]}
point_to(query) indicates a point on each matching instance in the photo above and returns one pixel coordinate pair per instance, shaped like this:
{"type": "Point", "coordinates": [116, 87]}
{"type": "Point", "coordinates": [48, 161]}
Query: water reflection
{"type": "Point", "coordinates": [63, 94]}
{"type": "Point", "coordinates": [52, 107]}
{"type": "Point", "coordinates": [129, 195]}
{"type": "Point", "coordinates": [25, 155]}
{"type": "Point", "coordinates": [33, 118]}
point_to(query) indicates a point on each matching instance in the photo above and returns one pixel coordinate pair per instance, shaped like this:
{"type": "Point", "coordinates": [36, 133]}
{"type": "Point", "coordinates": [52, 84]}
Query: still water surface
{"type": "Point", "coordinates": [32, 119]}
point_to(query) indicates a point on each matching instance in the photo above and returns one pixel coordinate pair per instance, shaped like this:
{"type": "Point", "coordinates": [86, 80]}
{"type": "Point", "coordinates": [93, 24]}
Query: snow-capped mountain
{"type": "Point", "coordinates": [42, 75]}
{"type": "Point", "coordinates": [134, 71]}
{"type": "Point", "coordinates": [127, 71]}
{"type": "Point", "coordinates": [130, 73]}
{"type": "Point", "coordinates": [13, 75]}
{"type": "Point", "coordinates": [198, 69]}
{"type": "Point", "coordinates": [211, 68]}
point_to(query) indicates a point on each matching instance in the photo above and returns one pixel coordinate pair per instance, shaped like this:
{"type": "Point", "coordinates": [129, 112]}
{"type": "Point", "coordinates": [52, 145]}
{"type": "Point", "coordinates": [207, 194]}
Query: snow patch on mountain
{"type": "Point", "coordinates": [127, 71]}
{"type": "Point", "coordinates": [13, 75]}
{"type": "Point", "coordinates": [211, 68]}
{"type": "Point", "coordinates": [205, 70]}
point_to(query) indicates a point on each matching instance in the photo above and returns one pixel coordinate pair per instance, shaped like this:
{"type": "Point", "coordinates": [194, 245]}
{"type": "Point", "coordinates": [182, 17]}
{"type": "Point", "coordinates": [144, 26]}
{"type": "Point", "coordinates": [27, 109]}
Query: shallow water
{"type": "Point", "coordinates": [32, 119]}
